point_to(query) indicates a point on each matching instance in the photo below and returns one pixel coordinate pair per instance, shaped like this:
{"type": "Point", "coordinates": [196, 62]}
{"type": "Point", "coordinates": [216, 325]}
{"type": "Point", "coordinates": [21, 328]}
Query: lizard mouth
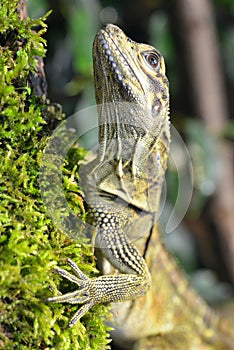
{"type": "Point", "coordinates": [118, 66]}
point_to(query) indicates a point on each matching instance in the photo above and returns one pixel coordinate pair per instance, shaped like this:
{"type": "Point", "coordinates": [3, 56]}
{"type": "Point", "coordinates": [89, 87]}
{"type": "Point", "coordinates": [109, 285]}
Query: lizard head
{"type": "Point", "coordinates": [135, 71]}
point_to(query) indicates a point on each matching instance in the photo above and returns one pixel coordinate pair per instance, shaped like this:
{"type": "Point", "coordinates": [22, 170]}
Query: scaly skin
{"type": "Point", "coordinates": [122, 188]}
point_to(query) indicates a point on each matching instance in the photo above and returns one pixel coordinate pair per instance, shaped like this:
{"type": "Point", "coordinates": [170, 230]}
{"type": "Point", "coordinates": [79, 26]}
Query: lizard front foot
{"type": "Point", "coordinates": [83, 295]}
{"type": "Point", "coordinates": [102, 289]}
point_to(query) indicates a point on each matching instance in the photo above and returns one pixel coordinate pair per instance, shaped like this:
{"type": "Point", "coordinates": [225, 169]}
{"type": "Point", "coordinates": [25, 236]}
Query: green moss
{"type": "Point", "coordinates": [30, 244]}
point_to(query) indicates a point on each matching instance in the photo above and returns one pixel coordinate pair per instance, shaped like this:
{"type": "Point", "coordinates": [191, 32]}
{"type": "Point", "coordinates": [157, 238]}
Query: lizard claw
{"type": "Point", "coordinates": [80, 313]}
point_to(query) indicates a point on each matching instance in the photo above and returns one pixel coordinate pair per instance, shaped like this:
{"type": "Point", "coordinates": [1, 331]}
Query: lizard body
{"type": "Point", "coordinates": [122, 188]}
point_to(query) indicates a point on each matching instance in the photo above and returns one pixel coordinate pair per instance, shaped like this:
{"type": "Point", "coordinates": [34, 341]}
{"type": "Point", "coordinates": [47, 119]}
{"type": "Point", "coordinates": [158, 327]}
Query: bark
{"type": "Point", "coordinates": [37, 80]}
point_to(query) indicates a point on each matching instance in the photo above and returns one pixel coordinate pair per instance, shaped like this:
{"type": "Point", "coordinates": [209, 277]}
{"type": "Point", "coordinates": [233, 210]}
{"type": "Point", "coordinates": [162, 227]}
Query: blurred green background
{"type": "Point", "coordinates": [197, 241]}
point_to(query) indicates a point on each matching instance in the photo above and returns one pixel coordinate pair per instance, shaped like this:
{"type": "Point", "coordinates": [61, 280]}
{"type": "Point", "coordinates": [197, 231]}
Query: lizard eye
{"type": "Point", "coordinates": [152, 60]}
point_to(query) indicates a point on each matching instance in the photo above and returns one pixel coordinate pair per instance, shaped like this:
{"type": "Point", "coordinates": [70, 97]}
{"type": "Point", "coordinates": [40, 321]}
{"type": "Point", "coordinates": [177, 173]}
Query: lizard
{"type": "Point", "coordinates": [153, 305]}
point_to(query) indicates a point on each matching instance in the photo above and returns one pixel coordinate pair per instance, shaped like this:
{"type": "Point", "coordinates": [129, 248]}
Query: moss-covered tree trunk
{"type": "Point", "coordinates": [30, 243]}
